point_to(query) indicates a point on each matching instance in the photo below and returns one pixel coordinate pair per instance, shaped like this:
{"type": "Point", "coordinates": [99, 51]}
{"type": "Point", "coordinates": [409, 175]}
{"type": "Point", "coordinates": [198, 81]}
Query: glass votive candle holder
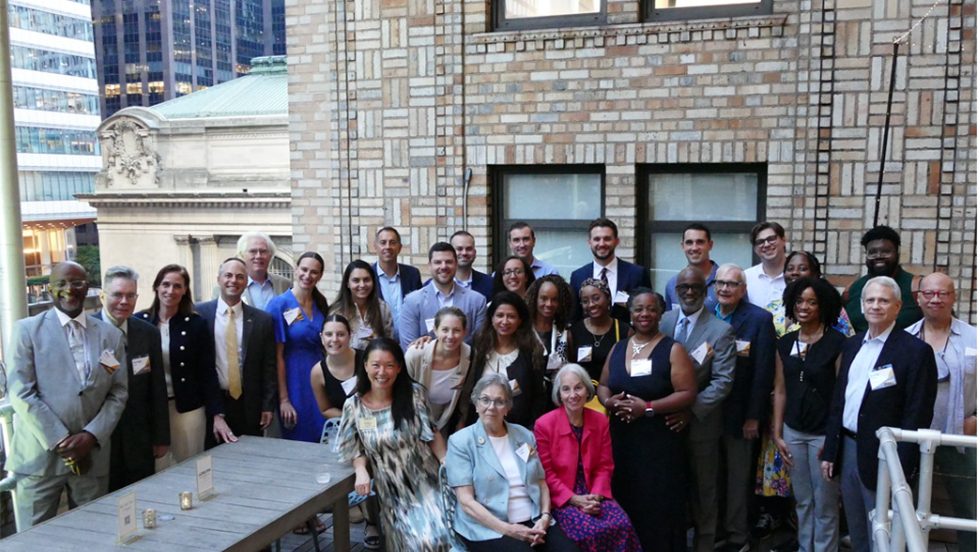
{"type": "Point", "coordinates": [186, 500]}
{"type": "Point", "coordinates": [149, 518]}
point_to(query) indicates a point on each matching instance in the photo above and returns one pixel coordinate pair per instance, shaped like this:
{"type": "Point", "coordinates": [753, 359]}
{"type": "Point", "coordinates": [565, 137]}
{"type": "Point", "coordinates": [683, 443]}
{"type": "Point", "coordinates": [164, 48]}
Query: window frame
{"type": "Point", "coordinates": [500, 249]}
{"type": "Point", "coordinates": [646, 226]}
{"type": "Point", "coordinates": [652, 14]}
{"type": "Point", "coordinates": [499, 21]}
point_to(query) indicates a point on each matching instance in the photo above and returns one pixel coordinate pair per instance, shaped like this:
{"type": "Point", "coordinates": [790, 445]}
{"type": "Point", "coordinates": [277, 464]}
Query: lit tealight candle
{"type": "Point", "coordinates": [186, 500]}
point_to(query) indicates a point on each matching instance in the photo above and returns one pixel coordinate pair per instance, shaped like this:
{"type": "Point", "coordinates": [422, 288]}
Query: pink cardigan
{"type": "Point", "coordinates": [559, 451]}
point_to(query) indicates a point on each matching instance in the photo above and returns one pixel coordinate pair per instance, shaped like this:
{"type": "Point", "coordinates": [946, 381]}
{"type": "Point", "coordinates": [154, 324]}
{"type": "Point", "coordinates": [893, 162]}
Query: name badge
{"type": "Point", "coordinates": [454, 381]}
{"type": "Point", "coordinates": [430, 324]}
{"type": "Point", "coordinates": [555, 362]}
{"type": "Point", "coordinates": [364, 333]}
{"type": "Point", "coordinates": [108, 361]}
{"type": "Point", "coordinates": [700, 353]}
{"type": "Point", "coordinates": [882, 378]}
{"type": "Point", "coordinates": [523, 452]}
{"type": "Point", "coordinates": [348, 385]}
{"type": "Point", "coordinates": [641, 367]}
{"type": "Point", "coordinates": [292, 315]}
{"type": "Point", "coordinates": [585, 353]}
{"type": "Point", "coordinates": [141, 364]}
{"type": "Point", "coordinates": [743, 348]}
{"type": "Point", "coordinates": [515, 387]}
{"type": "Point", "coordinates": [621, 297]}
{"type": "Point", "coordinates": [369, 423]}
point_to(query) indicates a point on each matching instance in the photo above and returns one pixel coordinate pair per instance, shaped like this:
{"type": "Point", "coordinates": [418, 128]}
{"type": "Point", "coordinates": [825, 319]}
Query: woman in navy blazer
{"type": "Point", "coordinates": [188, 359]}
{"type": "Point", "coordinates": [503, 503]}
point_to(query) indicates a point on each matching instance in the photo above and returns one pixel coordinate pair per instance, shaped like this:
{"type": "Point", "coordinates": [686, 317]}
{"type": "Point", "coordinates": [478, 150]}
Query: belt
{"type": "Point", "coordinates": [849, 433]}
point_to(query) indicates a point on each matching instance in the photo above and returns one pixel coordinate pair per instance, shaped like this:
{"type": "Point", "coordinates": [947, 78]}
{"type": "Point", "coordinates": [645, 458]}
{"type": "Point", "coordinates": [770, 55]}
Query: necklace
{"type": "Point", "coordinates": [637, 347]}
{"type": "Point", "coordinates": [596, 339]}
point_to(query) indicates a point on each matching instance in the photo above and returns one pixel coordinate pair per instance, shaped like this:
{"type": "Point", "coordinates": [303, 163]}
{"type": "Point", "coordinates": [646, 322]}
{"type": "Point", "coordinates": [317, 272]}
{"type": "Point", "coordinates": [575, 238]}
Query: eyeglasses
{"type": "Point", "coordinates": [766, 240]}
{"type": "Point", "coordinates": [485, 402]}
{"type": "Point", "coordinates": [73, 284]}
{"type": "Point", "coordinates": [121, 296]}
{"type": "Point", "coordinates": [942, 294]}
{"type": "Point", "coordinates": [727, 284]}
{"type": "Point", "coordinates": [514, 272]}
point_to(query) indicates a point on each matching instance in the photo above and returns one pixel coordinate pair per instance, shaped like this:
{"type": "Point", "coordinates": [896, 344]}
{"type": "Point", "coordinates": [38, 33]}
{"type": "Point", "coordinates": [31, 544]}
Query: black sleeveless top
{"type": "Point", "coordinates": [333, 386]}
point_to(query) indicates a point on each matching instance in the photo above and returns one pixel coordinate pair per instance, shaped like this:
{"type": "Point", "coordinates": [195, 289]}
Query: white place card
{"type": "Point", "coordinates": [205, 479]}
{"type": "Point", "coordinates": [126, 522]}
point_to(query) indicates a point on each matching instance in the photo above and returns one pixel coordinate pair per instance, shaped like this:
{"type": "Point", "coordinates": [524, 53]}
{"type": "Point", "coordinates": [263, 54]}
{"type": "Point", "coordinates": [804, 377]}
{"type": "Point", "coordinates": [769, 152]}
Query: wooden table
{"type": "Point", "coordinates": [265, 487]}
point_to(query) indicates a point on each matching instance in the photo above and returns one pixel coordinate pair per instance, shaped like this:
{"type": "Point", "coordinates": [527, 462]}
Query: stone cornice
{"type": "Point", "coordinates": [199, 200]}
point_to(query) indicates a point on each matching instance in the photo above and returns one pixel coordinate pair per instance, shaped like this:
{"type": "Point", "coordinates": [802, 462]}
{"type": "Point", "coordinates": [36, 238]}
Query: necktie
{"type": "Point", "coordinates": [76, 341]}
{"type": "Point", "coordinates": [603, 275]}
{"type": "Point", "coordinates": [681, 334]}
{"type": "Point", "coordinates": [231, 347]}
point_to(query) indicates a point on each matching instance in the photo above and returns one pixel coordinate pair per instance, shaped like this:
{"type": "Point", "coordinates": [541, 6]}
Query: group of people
{"type": "Point", "coordinates": [594, 414]}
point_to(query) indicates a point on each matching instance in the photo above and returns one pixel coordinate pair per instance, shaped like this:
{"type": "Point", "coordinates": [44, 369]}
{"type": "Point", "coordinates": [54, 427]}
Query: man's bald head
{"type": "Point", "coordinates": [68, 284]}
{"type": "Point", "coordinates": [936, 296]}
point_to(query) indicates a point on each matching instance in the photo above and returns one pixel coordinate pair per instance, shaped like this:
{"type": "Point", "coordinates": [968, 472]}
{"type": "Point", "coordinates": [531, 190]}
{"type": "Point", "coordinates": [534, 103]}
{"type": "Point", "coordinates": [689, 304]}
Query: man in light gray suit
{"type": "Point", "coordinates": [711, 344]}
{"type": "Point", "coordinates": [68, 392]}
{"type": "Point", "coordinates": [417, 317]}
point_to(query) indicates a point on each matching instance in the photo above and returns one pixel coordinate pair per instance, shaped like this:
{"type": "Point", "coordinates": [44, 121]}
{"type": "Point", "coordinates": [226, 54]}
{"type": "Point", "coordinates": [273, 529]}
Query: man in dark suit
{"type": "Point", "coordinates": [67, 385]}
{"type": "Point", "coordinates": [746, 407]}
{"type": "Point", "coordinates": [711, 345]}
{"type": "Point", "coordinates": [466, 275]}
{"type": "Point", "coordinates": [245, 358]}
{"type": "Point", "coordinates": [621, 276]}
{"type": "Point", "coordinates": [887, 378]}
{"type": "Point", "coordinates": [395, 280]}
{"type": "Point", "coordinates": [143, 432]}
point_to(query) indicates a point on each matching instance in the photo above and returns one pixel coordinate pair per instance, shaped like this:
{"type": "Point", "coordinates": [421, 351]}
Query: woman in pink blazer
{"type": "Point", "coordinates": [576, 452]}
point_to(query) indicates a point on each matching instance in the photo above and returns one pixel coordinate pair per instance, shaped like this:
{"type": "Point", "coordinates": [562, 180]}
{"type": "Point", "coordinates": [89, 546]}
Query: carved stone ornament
{"type": "Point", "coordinates": [130, 160]}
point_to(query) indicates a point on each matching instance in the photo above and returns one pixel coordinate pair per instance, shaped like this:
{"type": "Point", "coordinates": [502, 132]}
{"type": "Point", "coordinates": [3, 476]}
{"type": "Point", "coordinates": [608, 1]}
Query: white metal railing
{"type": "Point", "coordinates": [8, 483]}
{"type": "Point", "coordinates": [906, 526]}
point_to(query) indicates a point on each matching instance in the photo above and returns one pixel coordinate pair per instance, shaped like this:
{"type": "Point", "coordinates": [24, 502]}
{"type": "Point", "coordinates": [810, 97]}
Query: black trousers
{"type": "Point", "coordinates": [234, 417]}
{"type": "Point", "coordinates": [555, 540]}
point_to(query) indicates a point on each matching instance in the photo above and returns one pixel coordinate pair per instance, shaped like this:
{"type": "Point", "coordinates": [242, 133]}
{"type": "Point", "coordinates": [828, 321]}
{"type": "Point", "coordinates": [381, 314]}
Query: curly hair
{"type": "Point", "coordinates": [828, 299]}
{"type": "Point", "coordinates": [566, 301]}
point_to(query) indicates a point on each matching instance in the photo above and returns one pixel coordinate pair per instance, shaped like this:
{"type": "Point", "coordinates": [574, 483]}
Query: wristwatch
{"type": "Point", "coordinates": [649, 413]}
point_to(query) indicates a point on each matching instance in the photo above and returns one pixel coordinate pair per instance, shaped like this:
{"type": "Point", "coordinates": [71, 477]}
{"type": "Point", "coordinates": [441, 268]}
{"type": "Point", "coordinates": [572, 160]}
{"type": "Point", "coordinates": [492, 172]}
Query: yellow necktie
{"type": "Point", "coordinates": [231, 347]}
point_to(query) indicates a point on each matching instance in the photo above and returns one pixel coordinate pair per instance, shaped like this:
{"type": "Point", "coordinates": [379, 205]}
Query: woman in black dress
{"type": "Point", "coordinates": [593, 336]}
{"type": "Point", "coordinates": [645, 377]}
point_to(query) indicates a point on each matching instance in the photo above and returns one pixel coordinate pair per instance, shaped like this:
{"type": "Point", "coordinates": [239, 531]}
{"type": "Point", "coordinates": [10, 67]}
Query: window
{"type": "Point", "coordinates": [672, 10]}
{"type": "Point", "coordinates": [728, 199]}
{"type": "Point", "coordinates": [536, 14]}
{"type": "Point", "coordinates": [558, 202]}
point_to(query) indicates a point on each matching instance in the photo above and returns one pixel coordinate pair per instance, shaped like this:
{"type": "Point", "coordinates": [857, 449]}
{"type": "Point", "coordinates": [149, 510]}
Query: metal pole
{"type": "Point", "coordinates": [13, 287]}
{"type": "Point", "coordinates": [927, 450]}
{"type": "Point", "coordinates": [879, 522]}
{"type": "Point", "coordinates": [905, 518]}
{"type": "Point", "coordinates": [884, 136]}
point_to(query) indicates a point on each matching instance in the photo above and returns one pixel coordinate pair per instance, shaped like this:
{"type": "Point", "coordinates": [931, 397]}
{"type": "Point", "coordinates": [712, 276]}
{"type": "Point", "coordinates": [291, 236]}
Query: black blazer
{"type": "Point", "coordinates": [146, 420]}
{"type": "Point", "coordinates": [754, 369]}
{"type": "Point", "coordinates": [482, 284]}
{"type": "Point", "coordinates": [628, 277]}
{"type": "Point", "coordinates": [259, 384]}
{"type": "Point", "coordinates": [410, 279]}
{"type": "Point", "coordinates": [530, 403]}
{"type": "Point", "coordinates": [192, 372]}
{"type": "Point", "coordinates": [906, 405]}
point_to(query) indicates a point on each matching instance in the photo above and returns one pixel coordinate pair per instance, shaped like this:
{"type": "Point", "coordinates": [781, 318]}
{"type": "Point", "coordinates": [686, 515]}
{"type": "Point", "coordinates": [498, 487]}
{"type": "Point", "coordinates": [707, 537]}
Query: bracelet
{"type": "Point", "coordinates": [545, 514]}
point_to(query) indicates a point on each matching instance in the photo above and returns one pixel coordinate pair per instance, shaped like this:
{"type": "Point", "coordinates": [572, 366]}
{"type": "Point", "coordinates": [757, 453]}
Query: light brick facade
{"type": "Point", "coordinates": [392, 100]}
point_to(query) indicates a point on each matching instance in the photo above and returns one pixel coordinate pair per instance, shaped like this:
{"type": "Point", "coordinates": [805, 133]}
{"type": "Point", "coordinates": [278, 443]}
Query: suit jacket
{"type": "Point", "coordinates": [471, 460]}
{"type": "Point", "coordinates": [279, 286]}
{"type": "Point", "coordinates": [560, 451]}
{"type": "Point", "coordinates": [146, 419]}
{"type": "Point", "coordinates": [714, 376]}
{"type": "Point", "coordinates": [482, 284]}
{"type": "Point", "coordinates": [755, 360]}
{"type": "Point", "coordinates": [628, 277]}
{"type": "Point", "coordinates": [51, 401]}
{"type": "Point", "coordinates": [258, 363]}
{"type": "Point", "coordinates": [423, 304]}
{"type": "Point", "coordinates": [906, 405]}
{"type": "Point", "coordinates": [192, 375]}
{"type": "Point", "coordinates": [409, 277]}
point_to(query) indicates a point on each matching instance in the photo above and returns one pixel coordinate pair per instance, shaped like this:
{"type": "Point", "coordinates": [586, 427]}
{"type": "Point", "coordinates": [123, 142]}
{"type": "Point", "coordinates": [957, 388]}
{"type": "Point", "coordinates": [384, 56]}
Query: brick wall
{"type": "Point", "coordinates": [393, 99]}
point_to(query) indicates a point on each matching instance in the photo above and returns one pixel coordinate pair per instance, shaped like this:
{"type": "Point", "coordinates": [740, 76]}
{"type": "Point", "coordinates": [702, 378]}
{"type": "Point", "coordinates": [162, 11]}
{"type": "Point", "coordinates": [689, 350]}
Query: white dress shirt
{"type": "Point", "coordinates": [610, 275]}
{"type": "Point", "coordinates": [859, 374]}
{"type": "Point", "coordinates": [220, 351]}
{"type": "Point", "coordinates": [761, 288]}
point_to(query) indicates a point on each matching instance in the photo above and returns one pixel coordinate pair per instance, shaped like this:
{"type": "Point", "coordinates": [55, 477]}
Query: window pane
{"type": "Point", "coordinates": [704, 196]}
{"type": "Point", "coordinates": [566, 249]}
{"type": "Point", "coordinates": [549, 8]}
{"type": "Point", "coordinates": [660, 4]}
{"type": "Point", "coordinates": [552, 196]}
{"type": "Point", "coordinates": [668, 258]}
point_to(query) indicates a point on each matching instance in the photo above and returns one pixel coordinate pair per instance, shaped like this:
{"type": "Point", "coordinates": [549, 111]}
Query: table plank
{"type": "Point", "coordinates": [265, 487]}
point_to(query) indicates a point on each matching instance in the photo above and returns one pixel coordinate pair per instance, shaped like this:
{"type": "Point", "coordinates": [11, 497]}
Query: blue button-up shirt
{"type": "Point", "coordinates": [391, 289]}
{"type": "Point", "coordinates": [259, 295]}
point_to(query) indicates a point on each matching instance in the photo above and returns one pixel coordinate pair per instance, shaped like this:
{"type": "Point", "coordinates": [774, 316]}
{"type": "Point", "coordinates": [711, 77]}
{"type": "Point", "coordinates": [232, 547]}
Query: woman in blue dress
{"type": "Point", "coordinates": [298, 316]}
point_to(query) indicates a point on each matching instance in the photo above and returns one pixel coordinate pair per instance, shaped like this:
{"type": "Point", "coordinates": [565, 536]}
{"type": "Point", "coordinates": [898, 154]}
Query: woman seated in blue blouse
{"type": "Point", "coordinates": [503, 499]}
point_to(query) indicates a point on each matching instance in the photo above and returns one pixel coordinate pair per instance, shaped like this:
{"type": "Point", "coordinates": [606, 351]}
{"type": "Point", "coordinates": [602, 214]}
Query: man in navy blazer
{"type": "Point", "coordinates": [395, 280]}
{"type": "Point", "coordinates": [466, 276]}
{"type": "Point", "coordinates": [746, 407]}
{"type": "Point", "coordinates": [249, 393]}
{"type": "Point", "coordinates": [887, 378]}
{"type": "Point", "coordinates": [419, 311]}
{"type": "Point", "coordinates": [621, 275]}
{"type": "Point", "coordinates": [143, 432]}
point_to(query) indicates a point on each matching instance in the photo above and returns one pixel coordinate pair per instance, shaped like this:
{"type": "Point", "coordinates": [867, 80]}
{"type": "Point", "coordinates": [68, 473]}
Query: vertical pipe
{"type": "Point", "coordinates": [13, 287]}
{"type": "Point", "coordinates": [927, 450]}
{"type": "Point", "coordinates": [879, 523]}
{"type": "Point", "coordinates": [884, 135]}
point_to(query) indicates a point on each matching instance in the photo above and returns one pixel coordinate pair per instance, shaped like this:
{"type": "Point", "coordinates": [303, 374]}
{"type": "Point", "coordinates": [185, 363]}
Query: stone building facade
{"type": "Point", "coordinates": [432, 115]}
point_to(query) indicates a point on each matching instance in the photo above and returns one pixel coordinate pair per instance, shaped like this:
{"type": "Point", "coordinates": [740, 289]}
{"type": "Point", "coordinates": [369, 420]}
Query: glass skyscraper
{"type": "Point", "coordinates": [155, 50]}
{"type": "Point", "coordinates": [56, 112]}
